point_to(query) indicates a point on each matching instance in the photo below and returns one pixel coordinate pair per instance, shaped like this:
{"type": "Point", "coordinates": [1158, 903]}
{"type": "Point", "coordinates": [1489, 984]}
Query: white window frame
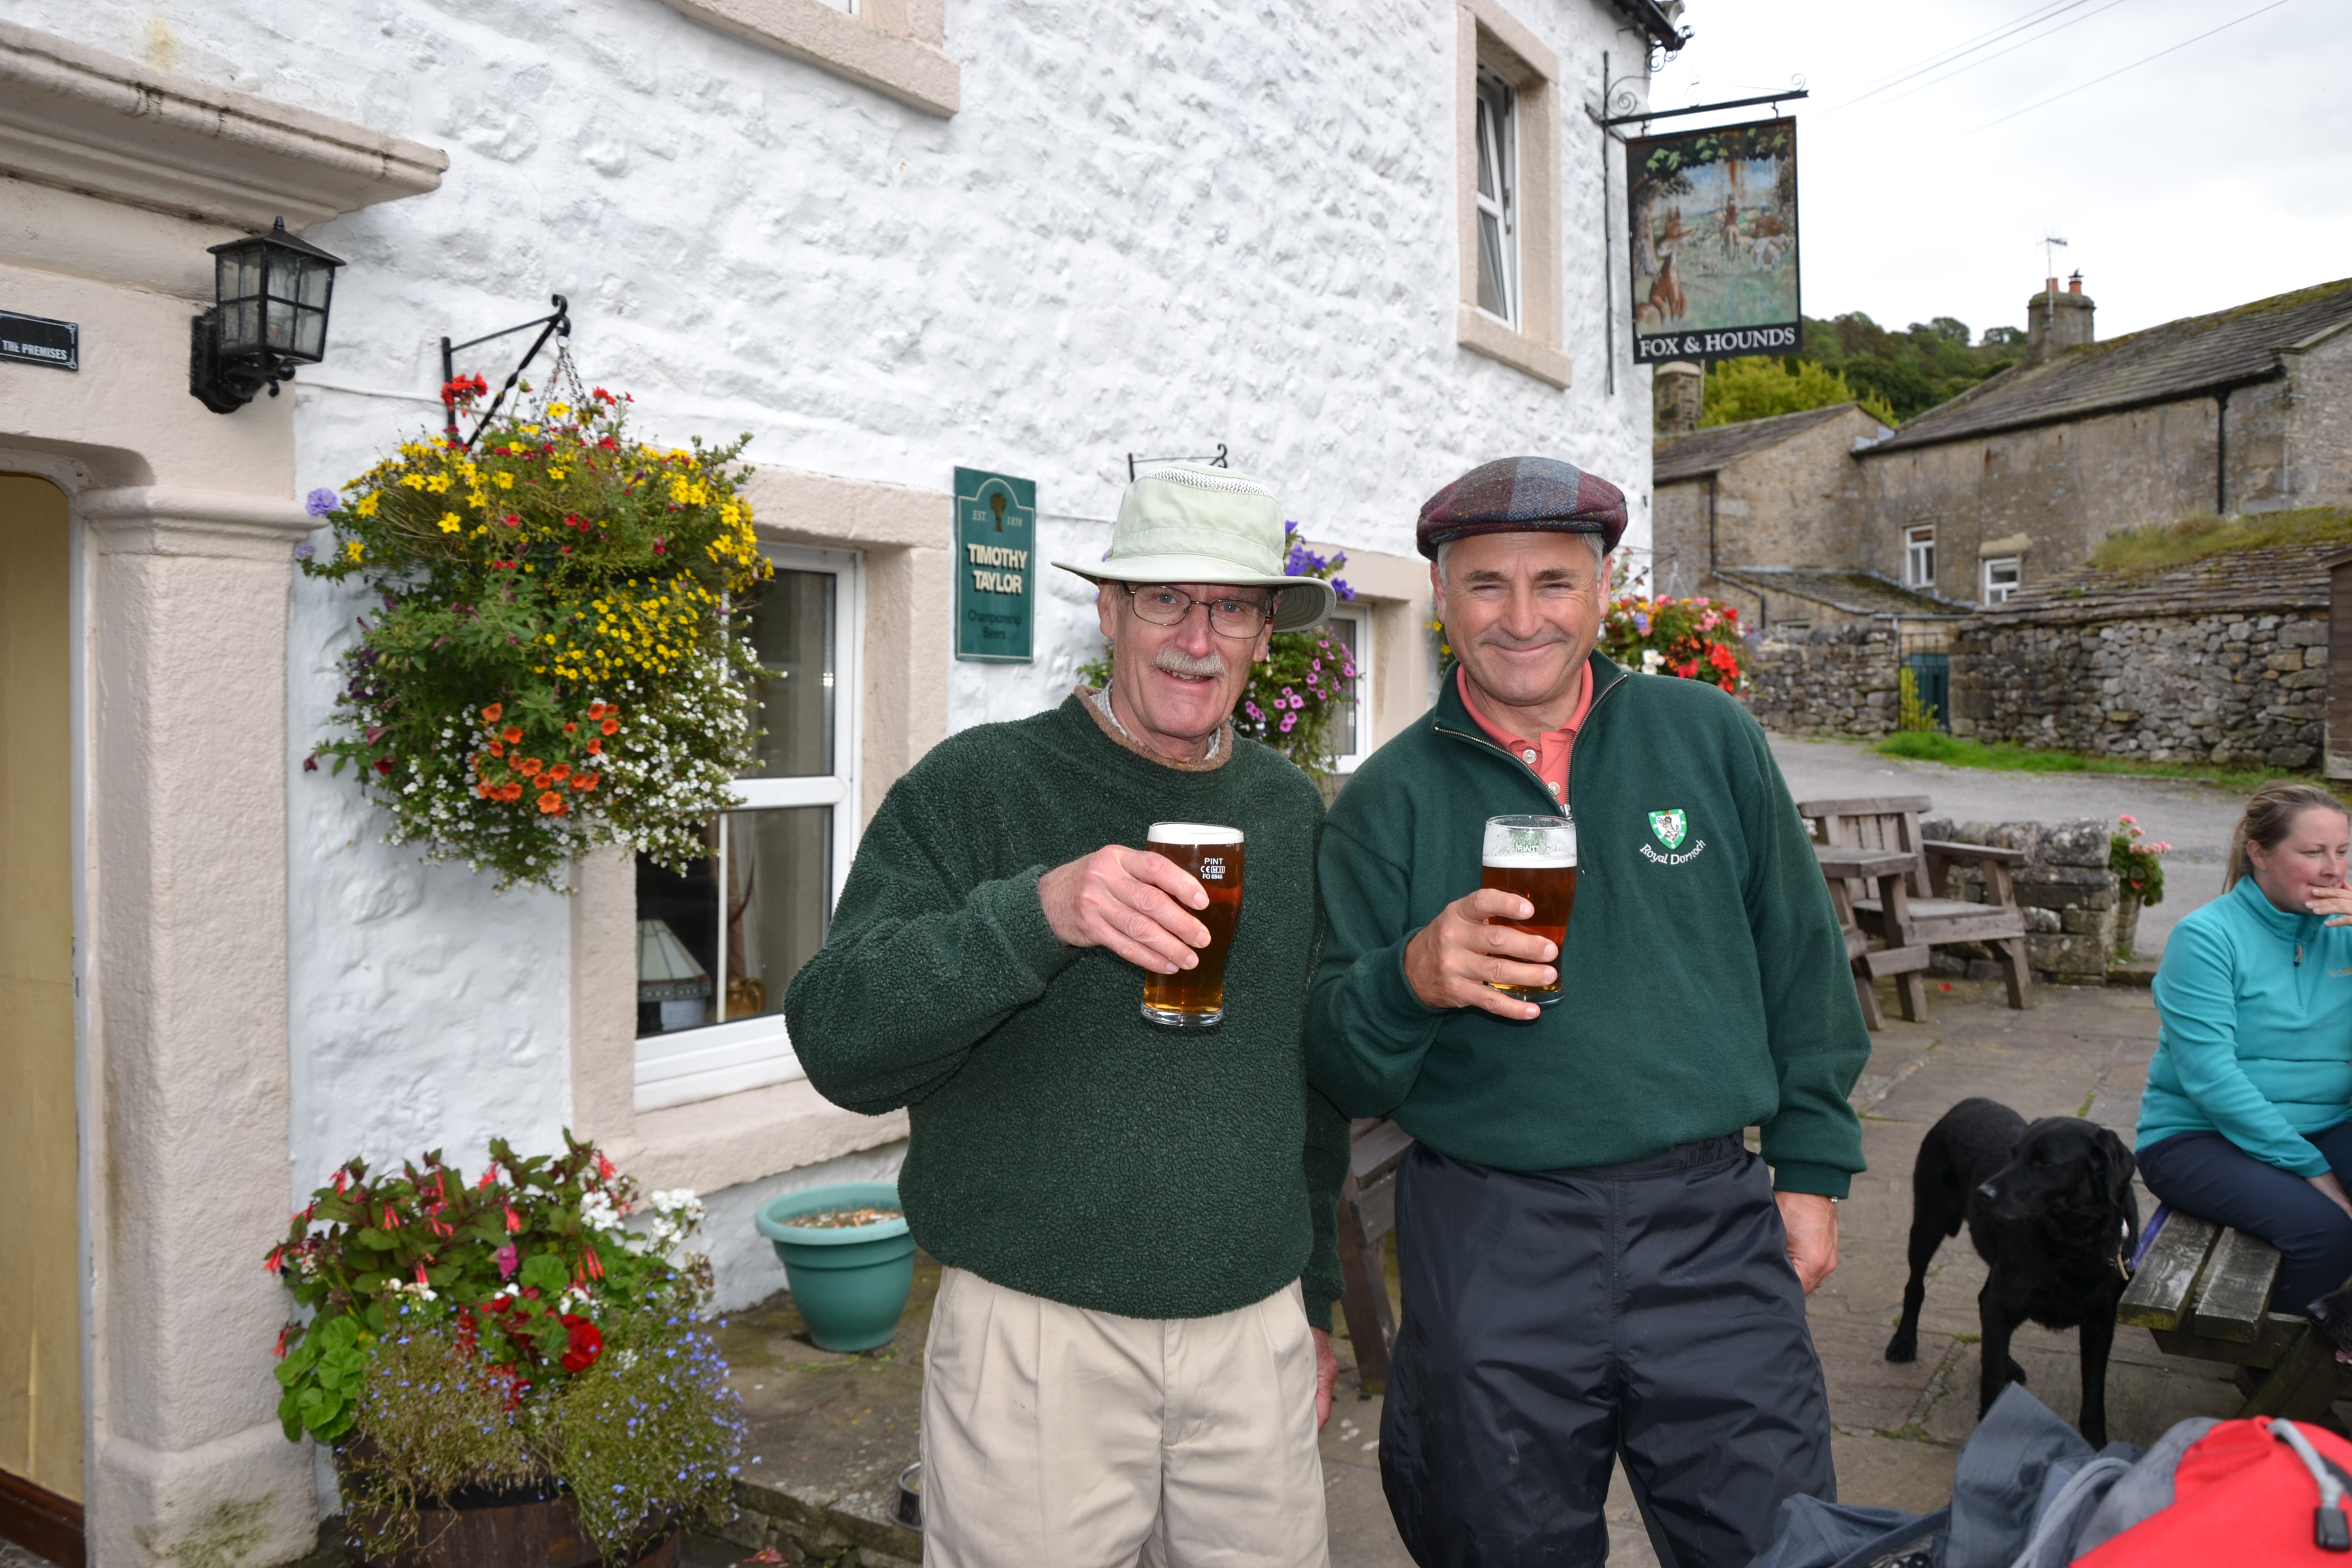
{"type": "Point", "coordinates": [2001, 593]}
{"type": "Point", "coordinates": [1359, 616]}
{"type": "Point", "coordinates": [1919, 556]}
{"type": "Point", "coordinates": [689, 1065]}
{"type": "Point", "coordinates": [1497, 128]}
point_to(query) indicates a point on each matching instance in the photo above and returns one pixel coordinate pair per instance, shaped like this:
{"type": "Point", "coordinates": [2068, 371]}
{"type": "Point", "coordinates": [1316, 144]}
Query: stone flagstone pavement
{"type": "Point", "coordinates": [831, 1433]}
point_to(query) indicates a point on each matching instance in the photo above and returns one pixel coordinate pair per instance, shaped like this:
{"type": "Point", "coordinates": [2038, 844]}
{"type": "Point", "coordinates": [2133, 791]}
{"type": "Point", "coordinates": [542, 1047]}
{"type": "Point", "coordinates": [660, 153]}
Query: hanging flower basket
{"type": "Point", "coordinates": [551, 667]}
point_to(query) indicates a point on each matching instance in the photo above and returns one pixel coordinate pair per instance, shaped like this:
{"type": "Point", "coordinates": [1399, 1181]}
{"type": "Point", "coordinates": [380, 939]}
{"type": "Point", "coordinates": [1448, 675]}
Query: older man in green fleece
{"type": "Point", "coordinates": [1129, 1350]}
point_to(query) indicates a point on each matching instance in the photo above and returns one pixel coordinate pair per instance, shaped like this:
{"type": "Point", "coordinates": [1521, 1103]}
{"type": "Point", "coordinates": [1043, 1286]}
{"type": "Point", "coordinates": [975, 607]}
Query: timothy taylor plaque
{"type": "Point", "coordinates": [995, 565]}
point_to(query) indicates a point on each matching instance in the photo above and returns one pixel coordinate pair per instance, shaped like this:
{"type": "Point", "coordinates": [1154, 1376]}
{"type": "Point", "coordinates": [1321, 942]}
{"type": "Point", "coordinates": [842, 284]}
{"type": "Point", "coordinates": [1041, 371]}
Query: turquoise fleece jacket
{"type": "Point", "coordinates": [2255, 1040]}
{"type": "Point", "coordinates": [1706, 979]}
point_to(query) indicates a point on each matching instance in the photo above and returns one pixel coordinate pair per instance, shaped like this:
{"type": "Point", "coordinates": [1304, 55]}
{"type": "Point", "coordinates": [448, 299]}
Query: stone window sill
{"type": "Point", "coordinates": [713, 1145]}
{"type": "Point", "coordinates": [1481, 334]}
{"type": "Point", "coordinates": [867, 50]}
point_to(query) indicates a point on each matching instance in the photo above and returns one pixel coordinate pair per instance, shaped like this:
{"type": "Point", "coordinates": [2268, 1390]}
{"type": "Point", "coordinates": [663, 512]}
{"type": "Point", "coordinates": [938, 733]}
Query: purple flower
{"type": "Point", "coordinates": [1287, 720]}
{"type": "Point", "coordinates": [1339, 586]}
{"type": "Point", "coordinates": [303, 553]}
{"type": "Point", "coordinates": [1640, 623]}
{"type": "Point", "coordinates": [321, 501]}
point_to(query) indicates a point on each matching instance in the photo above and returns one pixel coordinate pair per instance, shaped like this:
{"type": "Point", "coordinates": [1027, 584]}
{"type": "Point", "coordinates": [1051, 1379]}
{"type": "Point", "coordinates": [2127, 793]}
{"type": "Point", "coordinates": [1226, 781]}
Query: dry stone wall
{"type": "Point", "coordinates": [2223, 686]}
{"type": "Point", "coordinates": [2068, 894]}
{"type": "Point", "coordinates": [1832, 680]}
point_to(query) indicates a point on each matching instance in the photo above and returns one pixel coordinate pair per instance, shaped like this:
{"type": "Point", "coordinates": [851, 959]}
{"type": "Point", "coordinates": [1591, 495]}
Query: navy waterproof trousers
{"type": "Point", "coordinates": [1556, 1321]}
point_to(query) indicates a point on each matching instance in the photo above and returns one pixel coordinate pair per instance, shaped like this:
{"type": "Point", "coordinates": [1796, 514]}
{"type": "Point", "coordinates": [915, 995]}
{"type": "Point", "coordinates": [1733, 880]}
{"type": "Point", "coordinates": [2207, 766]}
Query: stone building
{"type": "Point", "coordinates": [886, 239]}
{"type": "Point", "coordinates": [2017, 480]}
{"type": "Point", "coordinates": [1766, 513]}
{"type": "Point", "coordinates": [2225, 659]}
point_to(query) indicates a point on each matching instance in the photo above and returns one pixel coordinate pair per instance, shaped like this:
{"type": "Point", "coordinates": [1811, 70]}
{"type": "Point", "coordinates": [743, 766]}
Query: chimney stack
{"type": "Point", "coordinates": [1677, 390]}
{"type": "Point", "coordinates": [2055, 322]}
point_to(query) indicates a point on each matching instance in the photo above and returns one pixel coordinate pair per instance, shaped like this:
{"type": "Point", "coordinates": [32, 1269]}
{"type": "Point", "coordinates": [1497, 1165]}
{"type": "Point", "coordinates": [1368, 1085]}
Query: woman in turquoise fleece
{"type": "Point", "coordinates": [2248, 1115]}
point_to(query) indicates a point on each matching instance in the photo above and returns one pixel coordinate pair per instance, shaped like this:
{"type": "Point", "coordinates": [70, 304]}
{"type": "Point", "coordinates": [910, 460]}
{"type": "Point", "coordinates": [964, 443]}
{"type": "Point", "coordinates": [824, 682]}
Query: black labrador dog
{"type": "Point", "coordinates": [2049, 1207]}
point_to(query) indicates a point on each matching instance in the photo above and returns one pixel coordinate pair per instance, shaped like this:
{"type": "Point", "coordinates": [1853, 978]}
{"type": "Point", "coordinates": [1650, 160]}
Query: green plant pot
{"type": "Point", "coordinates": [851, 1284]}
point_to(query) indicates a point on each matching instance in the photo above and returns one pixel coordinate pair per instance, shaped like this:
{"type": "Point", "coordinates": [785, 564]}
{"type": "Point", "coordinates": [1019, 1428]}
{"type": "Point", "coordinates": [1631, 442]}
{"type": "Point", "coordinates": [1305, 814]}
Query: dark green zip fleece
{"type": "Point", "coordinates": [1705, 978]}
{"type": "Point", "coordinates": [1062, 1145]}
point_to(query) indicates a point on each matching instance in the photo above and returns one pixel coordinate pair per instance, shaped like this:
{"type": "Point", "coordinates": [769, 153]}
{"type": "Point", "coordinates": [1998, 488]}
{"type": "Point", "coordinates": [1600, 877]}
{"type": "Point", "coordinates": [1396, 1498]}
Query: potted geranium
{"type": "Point", "coordinates": [548, 666]}
{"type": "Point", "coordinates": [1696, 639]}
{"type": "Point", "coordinates": [507, 1365]}
{"type": "Point", "coordinates": [2139, 879]}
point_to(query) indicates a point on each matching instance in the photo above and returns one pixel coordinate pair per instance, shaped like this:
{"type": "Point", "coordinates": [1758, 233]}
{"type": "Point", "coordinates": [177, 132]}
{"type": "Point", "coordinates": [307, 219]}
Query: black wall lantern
{"type": "Point", "coordinates": [272, 291]}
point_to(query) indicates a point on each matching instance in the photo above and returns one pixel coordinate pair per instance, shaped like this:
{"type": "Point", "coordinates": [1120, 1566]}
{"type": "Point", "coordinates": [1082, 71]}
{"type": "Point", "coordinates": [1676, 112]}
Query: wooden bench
{"type": "Point", "coordinates": [1914, 911]}
{"type": "Point", "coordinates": [1367, 1215]}
{"type": "Point", "coordinates": [2204, 1291]}
{"type": "Point", "coordinates": [1882, 872]}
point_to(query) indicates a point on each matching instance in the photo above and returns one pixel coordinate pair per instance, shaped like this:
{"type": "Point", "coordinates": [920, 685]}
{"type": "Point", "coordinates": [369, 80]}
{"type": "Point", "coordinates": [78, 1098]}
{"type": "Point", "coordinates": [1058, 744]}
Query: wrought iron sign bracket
{"type": "Point", "coordinates": [1622, 118]}
{"type": "Point", "coordinates": [558, 325]}
{"type": "Point", "coordinates": [1214, 460]}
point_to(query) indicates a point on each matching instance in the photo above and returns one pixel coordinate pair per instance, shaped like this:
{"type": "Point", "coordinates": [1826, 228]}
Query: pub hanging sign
{"type": "Point", "coordinates": [1713, 224]}
{"type": "Point", "coordinates": [995, 566]}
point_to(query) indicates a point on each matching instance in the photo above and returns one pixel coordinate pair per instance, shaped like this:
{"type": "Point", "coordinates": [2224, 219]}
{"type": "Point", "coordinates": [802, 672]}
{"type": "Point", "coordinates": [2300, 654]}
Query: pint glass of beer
{"type": "Point", "coordinates": [1195, 998]}
{"type": "Point", "coordinates": [1534, 857]}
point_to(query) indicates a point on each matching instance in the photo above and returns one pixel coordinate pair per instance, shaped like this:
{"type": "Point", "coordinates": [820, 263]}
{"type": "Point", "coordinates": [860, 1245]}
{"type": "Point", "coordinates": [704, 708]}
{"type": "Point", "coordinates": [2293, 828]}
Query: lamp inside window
{"type": "Point", "coordinates": [272, 294]}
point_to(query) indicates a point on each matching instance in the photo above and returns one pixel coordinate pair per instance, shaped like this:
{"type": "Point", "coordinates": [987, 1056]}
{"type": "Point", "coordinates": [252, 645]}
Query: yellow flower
{"type": "Point", "coordinates": [449, 522]}
{"type": "Point", "coordinates": [352, 548]}
{"type": "Point", "coordinates": [367, 504]}
{"type": "Point", "coordinates": [557, 473]}
{"type": "Point", "coordinates": [559, 410]}
{"type": "Point", "coordinates": [504, 481]}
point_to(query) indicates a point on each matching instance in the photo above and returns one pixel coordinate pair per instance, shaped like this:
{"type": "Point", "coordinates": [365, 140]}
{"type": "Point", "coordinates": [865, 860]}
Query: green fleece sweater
{"type": "Point", "coordinates": [1062, 1145]}
{"type": "Point", "coordinates": [1705, 980]}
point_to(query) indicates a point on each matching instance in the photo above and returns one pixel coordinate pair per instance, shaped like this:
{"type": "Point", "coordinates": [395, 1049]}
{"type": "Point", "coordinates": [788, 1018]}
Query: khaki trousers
{"type": "Point", "coordinates": [1057, 1437]}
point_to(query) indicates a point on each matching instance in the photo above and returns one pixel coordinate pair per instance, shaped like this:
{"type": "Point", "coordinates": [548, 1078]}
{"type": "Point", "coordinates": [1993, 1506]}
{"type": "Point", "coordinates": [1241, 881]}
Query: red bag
{"type": "Point", "coordinates": [2240, 1496]}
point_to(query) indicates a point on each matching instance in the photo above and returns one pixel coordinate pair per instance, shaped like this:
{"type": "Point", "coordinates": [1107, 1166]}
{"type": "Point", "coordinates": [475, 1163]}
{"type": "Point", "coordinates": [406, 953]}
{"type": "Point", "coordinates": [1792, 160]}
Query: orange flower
{"type": "Point", "coordinates": [512, 734]}
{"type": "Point", "coordinates": [583, 781]}
{"type": "Point", "coordinates": [570, 728]}
{"type": "Point", "coordinates": [560, 771]}
{"type": "Point", "coordinates": [510, 792]}
{"type": "Point", "coordinates": [486, 790]}
{"type": "Point", "coordinates": [497, 748]}
{"type": "Point", "coordinates": [550, 801]}
{"type": "Point", "coordinates": [491, 714]}
{"type": "Point", "coordinates": [611, 726]}
{"type": "Point", "coordinates": [532, 765]}
{"type": "Point", "coordinates": [595, 710]}
{"type": "Point", "coordinates": [595, 748]}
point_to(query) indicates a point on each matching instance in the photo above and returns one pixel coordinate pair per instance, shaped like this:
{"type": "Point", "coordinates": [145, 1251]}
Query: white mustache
{"type": "Point", "coordinates": [1176, 661]}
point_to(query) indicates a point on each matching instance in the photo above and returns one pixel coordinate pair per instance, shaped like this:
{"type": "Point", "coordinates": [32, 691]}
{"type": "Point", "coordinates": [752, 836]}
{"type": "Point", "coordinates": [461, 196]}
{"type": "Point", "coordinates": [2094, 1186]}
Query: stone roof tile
{"type": "Point", "coordinates": [2292, 577]}
{"type": "Point", "coordinates": [1704, 452]}
{"type": "Point", "coordinates": [2181, 359]}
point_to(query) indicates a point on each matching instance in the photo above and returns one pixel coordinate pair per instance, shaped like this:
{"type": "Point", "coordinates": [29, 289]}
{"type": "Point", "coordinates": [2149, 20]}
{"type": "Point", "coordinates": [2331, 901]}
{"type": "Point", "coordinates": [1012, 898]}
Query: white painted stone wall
{"type": "Point", "coordinates": [1153, 226]}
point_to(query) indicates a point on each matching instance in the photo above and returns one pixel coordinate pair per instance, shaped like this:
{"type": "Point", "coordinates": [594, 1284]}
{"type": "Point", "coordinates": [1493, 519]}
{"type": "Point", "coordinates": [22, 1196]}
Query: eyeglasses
{"type": "Point", "coordinates": [1228, 617]}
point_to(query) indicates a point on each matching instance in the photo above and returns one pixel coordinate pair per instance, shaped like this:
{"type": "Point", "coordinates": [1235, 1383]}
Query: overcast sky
{"type": "Point", "coordinates": [2218, 173]}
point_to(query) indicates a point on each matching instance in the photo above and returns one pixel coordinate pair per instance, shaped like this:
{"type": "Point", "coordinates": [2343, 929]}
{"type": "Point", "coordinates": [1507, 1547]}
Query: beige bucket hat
{"type": "Point", "coordinates": [1190, 522]}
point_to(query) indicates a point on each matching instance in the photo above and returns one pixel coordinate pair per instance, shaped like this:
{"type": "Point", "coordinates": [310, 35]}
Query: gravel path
{"type": "Point", "coordinates": [2196, 820]}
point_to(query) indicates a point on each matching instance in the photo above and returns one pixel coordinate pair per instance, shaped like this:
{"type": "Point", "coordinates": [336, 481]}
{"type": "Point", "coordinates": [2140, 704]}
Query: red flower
{"type": "Point", "coordinates": [462, 388]}
{"type": "Point", "coordinates": [384, 766]}
{"type": "Point", "coordinates": [514, 1220]}
{"type": "Point", "coordinates": [586, 1340]}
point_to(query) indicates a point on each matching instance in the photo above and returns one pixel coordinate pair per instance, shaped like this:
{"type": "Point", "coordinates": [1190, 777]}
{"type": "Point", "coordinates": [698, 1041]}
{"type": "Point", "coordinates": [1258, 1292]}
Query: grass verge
{"type": "Point", "coordinates": [2008, 756]}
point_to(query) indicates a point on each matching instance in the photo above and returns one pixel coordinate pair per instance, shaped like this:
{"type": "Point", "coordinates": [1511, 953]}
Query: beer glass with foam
{"type": "Point", "coordinates": [1534, 857]}
{"type": "Point", "coordinates": [1195, 998]}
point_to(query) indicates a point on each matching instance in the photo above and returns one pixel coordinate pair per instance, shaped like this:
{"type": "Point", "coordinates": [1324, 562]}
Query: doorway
{"type": "Point", "coordinates": [40, 1310]}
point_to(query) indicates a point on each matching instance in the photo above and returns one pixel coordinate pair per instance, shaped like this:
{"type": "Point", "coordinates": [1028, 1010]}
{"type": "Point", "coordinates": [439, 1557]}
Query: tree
{"type": "Point", "coordinates": [1738, 390]}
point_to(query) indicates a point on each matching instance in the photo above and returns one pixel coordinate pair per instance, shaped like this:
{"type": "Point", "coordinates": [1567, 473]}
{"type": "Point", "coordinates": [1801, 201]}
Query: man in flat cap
{"type": "Point", "coordinates": [1594, 1266]}
{"type": "Point", "coordinates": [1129, 1350]}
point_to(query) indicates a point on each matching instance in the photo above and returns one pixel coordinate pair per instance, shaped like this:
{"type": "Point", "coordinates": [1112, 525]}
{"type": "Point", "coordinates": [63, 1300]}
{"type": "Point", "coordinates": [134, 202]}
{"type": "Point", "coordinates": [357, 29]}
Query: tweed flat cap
{"type": "Point", "coordinates": [1523, 495]}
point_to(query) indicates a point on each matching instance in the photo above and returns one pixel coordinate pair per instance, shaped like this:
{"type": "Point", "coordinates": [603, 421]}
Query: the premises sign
{"type": "Point", "coordinates": [1714, 242]}
{"type": "Point", "coordinates": [36, 340]}
{"type": "Point", "coordinates": [995, 566]}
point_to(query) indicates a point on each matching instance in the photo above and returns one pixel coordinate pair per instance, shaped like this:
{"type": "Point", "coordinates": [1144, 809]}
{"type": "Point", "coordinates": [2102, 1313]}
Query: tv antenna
{"type": "Point", "coordinates": [2050, 245]}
